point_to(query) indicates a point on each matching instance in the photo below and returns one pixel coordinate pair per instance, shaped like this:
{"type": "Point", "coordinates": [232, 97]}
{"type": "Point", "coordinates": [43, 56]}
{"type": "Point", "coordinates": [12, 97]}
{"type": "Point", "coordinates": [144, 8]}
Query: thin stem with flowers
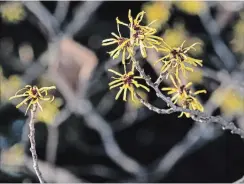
{"type": "Point", "coordinates": [176, 64]}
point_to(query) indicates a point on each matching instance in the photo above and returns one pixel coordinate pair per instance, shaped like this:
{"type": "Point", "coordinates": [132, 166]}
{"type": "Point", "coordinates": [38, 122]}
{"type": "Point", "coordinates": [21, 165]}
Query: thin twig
{"type": "Point", "coordinates": [33, 144]}
{"type": "Point", "coordinates": [151, 107]}
{"type": "Point", "coordinates": [61, 10]}
{"type": "Point", "coordinates": [159, 79]}
{"type": "Point", "coordinates": [219, 46]}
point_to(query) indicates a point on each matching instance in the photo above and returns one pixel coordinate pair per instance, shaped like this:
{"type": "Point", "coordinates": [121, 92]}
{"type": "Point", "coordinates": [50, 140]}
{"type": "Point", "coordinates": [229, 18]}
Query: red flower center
{"type": "Point", "coordinates": [34, 91]}
{"type": "Point", "coordinates": [128, 79]}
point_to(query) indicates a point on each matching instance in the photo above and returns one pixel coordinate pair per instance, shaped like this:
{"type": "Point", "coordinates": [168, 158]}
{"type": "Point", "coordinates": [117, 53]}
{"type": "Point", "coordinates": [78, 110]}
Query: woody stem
{"type": "Point", "coordinates": [33, 144]}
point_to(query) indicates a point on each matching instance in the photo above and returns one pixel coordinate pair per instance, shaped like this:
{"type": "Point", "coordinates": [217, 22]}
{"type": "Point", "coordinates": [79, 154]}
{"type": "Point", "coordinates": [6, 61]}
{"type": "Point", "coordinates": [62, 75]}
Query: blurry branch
{"type": "Point", "coordinates": [96, 122]}
{"type": "Point", "coordinates": [241, 180]}
{"type": "Point", "coordinates": [53, 135]}
{"type": "Point", "coordinates": [47, 20]}
{"type": "Point", "coordinates": [224, 16]}
{"type": "Point", "coordinates": [83, 13]}
{"type": "Point", "coordinates": [195, 138]}
{"type": "Point", "coordinates": [33, 72]}
{"type": "Point", "coordinates": [106, 103]}
{"type": "Point", "coordinates": [54, 174]}
{"type": "Point", "coordinates": [101, 171]}
{"type": "Point", "coordinates": [92, 118]}
{"type": "Point", "coordinates": [189, 143]}
{"type": "Point", "coordinates": [195, 115]}
{"type": "Point", "coordinates": [130, 115]}
{"type": "Point", "coordinates": [61, 10]}
{"type": "Point", "coordinates": [33, 144]}
{"type": "Point", "coordinates": [119, 124]}
{"type": "Point", "coordinates": [219, 46]}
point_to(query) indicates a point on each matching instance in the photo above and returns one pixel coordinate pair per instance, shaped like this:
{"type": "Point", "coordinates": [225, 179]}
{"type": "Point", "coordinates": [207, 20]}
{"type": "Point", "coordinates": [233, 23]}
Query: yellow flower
{"type": "Point", "coordinates": [12, 11]}
{"type": "Point", "coordinates": [13, 158]}
{"type": "Point", "coordinates": [157, 11]}
{"type": "Point", "coordinates": [51, 110]}
{"type": "Point", "coordinates": [177, 60]}
{"type": "Point", "coordinates": [124, 45]}
{"type": "Point", "coordinates": [191, 103]}
{"type": "Point", "coordinates": [9, 86]}
{"type": "Point", "coordinates": [196, 76]}
{"type": "Point", "coordinates": [193, 7]}
{"type": "Point", "coordinates": [126, 82]}
{"type": "Point", "coordinates": [184, 96]}
{"type": "Point", "coordinates": [142, 36]}
{"type": "Point", "coordinates": [231, 101]}
{"type": "Point", "coordinates": [33, 95]}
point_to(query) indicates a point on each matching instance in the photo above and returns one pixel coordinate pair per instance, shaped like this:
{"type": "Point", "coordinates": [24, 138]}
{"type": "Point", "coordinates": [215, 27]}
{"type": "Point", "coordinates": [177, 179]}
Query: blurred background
{"type": "Point", "coordinates": [87, 136]}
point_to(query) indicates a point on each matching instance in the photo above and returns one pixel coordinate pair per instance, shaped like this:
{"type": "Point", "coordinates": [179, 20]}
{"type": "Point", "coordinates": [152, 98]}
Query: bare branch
{"type": "Point", "coordinates": [159, 79]}
{"type": "Point", "coordinates": [33, 145]}
{"type": "Point", "coordinates": [84, 12]}
{"type": "Point", "coordinates": [47, 20]}
{"type": "Point", "coordinates": [61, 10]}
{"type": "Point", "coordinates": [53, 173]}
{"type": "Point", "coordinates": [96, 122]}
{"type": "Point", "coordinates": [151, 107]}
{"type": "Point", "coordinates": [220, 47]}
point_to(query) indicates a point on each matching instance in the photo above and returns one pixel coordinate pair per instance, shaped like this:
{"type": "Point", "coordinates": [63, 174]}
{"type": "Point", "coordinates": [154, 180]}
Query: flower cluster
{"type": "Point", "coordinates": [33, 95]}
{"type": "Point", "coordinates": [140, 36]}
{"type": "Point", "coordinates": [176, 62]}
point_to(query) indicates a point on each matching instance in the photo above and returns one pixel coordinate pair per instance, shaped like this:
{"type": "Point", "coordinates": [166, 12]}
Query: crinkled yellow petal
{"type": "Point", "coordinates": [24, 101]}
{"type": "Point", "coordinates": [118, 94]}
{"type": "Point", "coordinates": [117, 73]}
{"type": "Point", "coordinates": [116, 85]}
{"type": "Point", "coordinates": [18, 96]}
{"type": "Point", "coordinates": [115, 81]}
{"type": "Point", "coordinates": [188, 85]}
{"type": "Point", "coordinates": [200, 91]}
{"type": "Point", "coordinates": [120, 22]}
{"type": "Point", "coordinates": [139, 17]}
{"type": "Point", "coordinates": [125, 93]}
{"type": "Point", "coordinates": [173, 81]}
{"type": "Point", "coordinates": [143, 50]}
{"type": "Point", "coordinates": [144, 87]}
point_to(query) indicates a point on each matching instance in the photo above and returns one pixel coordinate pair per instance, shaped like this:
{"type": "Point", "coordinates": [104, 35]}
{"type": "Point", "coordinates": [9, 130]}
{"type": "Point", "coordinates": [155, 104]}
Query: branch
{"type": "Point", "coordinates": [219, 46]}
{"type": "Point", "coordinates": [47, 20]}
{"type": "Point", "coordinates": [241, 180]}
{"type": "Point", "coordinates": [195, 115]}
{"type": "Point", "coordinates": [61, 10]}
{"type": "Point", "coordinates": [55, 174]}
{"type": "Point", "coordinates": [33, 145]}
{"type": "Point", "coordinates": [84, 13]}
{"type": "Point", "coordinates": [96, 122]}
{"type": "Point", "coordinates": [151, 107]}
{"type": "Point", "coordinates": [159, 79]}
{"type": "Point", "coordinates": [196, 138]}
